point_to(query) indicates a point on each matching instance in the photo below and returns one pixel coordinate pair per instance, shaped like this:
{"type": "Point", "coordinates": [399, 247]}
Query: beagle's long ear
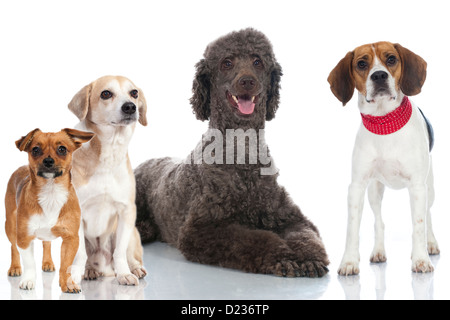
{"type": "Point", "coordinates": [79, 104]}
{"type": "Point", "coordinates": [273, 92]}
{"type": "Point", "coordinates": [341, 80]}
{"type": "Point", "coordinates": [23, 143]}
{"type": "Point", "coordinates": [142, 107]}
{"type": "Point", "coordinates": [201, 89]}
{"type": "Point", "coordinates": [414, 71]}
{"type": "Point", "coordinates": [78, 137]}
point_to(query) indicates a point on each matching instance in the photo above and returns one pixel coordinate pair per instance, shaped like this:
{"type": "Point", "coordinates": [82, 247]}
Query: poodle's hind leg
{"type": "Point", "coordinates": [235, 246]}
{"type": "Point", "coordinates": [309, 249]}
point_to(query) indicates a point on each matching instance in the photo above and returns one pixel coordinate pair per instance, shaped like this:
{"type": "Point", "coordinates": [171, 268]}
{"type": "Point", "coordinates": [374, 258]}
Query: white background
{"type": "Point", "coordinates": [51, 49]}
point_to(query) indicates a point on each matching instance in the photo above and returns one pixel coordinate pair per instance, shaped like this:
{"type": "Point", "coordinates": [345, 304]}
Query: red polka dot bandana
{"type": "Point", "coordinates": [391, 122]}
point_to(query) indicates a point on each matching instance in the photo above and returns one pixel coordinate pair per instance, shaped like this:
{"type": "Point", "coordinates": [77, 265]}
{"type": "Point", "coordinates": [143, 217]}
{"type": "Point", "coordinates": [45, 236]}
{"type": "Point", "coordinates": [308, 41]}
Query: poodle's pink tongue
{"type": "Point", "coordinates": [246, 106]}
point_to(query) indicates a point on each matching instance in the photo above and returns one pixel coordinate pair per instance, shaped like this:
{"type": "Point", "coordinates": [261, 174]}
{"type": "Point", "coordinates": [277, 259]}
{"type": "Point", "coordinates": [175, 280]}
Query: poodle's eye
{"type": "Point", "coordinates": [258, 63]}
{"type": "Point", "coordinates": [227, 64]}
{"type": "Point", "coordinates": [134, 94]}
{"type": "Point", "coordinates": [105, 95]}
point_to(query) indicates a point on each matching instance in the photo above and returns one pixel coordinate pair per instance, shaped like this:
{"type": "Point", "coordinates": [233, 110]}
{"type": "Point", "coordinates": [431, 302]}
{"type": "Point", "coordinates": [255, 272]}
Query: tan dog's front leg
{"type": "Point", "coordinates": [47, 262]}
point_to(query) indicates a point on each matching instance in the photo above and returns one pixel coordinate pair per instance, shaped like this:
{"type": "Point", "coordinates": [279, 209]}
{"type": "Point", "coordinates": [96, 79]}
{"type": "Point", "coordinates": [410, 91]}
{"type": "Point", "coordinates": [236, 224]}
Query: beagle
{"type": "Point", "coordinates": [104, 180]}
{"type": "Point", "coordinates": [392, 146]}
{"type": "Point", "coordinates": [41, 202]}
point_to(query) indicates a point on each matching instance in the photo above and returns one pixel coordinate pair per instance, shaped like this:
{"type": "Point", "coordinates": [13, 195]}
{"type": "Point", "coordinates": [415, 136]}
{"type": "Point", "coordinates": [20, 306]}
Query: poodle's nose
{"type": "Point", "coordinates": [247, 82]}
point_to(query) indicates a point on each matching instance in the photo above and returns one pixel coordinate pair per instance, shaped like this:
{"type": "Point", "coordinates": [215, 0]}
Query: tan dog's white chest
{"type": "Point", "coordinates": [52, 198]}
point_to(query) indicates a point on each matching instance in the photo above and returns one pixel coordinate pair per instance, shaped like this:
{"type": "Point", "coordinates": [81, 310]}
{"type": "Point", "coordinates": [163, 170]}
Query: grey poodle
{"type": "Point", "coordinates": [221, 210]}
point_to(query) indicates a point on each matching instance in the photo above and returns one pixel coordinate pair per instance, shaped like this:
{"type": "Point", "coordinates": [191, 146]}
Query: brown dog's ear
{"type": "Point", "coordinates": [142, 107]}
{"type": "Point", "coordinates": [201, 89]}
{"type": "Point", "coordinates": [341, 80]}
{"type": "Point", "coordinates": [79, 104]}
{"type": "Point", "coordinates": [78, 137]}
{"type": "Point", "coordinates": [23, 143]}
{"type": "Point", "coordinates": [414, 71]}
{"type": "Point", "coordinates": [273, 92]}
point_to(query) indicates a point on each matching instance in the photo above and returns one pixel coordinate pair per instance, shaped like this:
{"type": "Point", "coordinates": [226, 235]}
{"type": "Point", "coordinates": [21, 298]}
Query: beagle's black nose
{"type": "Point", "coordinates": [379, 77]}
{"type": "Point", "coordinates": [129, 108]}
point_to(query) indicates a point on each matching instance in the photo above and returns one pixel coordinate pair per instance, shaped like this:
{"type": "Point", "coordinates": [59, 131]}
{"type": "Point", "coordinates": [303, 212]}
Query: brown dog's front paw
{"type": "Point", "coordinates": [48, 266]}
{"type": "Point", "coordinates": [69, 286]}
{"type": "Point", "coordinates": [313, 269]}
{"type": "Point", "coordinates": [15, 271]}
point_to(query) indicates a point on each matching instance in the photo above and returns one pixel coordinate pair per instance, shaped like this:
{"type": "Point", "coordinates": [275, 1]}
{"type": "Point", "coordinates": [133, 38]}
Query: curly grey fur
{"type": "Point", "coordinates": [229, 214]}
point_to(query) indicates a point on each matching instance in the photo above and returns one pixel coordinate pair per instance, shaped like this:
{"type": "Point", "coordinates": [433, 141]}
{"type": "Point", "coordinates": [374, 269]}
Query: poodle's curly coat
{"type": "Point", "coordinates": [229, 214]}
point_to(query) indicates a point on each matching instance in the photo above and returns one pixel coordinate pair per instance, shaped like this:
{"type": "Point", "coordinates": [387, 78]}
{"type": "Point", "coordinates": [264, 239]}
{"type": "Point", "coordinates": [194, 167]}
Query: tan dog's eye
{"type": "Point", "coordinates": [134, 94]}
{"type": "Point", "coordinates": [391, 60]}
{"type": "Point", "coordinates": [62, 151]}
{"type": "Point", "coordinates": [105, 95]}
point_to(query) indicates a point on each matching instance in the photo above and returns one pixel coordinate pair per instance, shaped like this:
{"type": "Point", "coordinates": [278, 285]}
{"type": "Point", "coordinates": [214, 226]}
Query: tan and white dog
{"type": "Point", "coordinates": [392, 147]}
{"type": "Point", "coordinates": [104, 180]}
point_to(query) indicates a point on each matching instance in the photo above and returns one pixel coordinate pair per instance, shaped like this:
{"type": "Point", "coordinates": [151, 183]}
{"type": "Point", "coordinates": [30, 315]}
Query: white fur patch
{"type": "Point", "coordinates": [52, 198]}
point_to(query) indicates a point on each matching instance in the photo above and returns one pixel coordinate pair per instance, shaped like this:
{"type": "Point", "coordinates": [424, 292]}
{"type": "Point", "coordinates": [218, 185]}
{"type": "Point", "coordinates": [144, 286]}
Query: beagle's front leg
{"type": "Point", "coordinates": [124, 230]}
{"type": "Point", "coordinates": [350, 261]}
{"type": "Point", "coordinates": [420, 260]}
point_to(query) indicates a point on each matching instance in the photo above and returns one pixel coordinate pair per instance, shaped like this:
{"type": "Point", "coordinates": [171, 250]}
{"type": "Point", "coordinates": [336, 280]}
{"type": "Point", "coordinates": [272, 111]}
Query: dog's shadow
{"type": "Point", "coordinates": [422, 283]}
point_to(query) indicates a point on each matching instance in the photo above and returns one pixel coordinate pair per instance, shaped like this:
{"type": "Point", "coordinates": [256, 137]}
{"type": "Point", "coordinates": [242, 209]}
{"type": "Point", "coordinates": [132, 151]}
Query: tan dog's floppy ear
{"type": "Point", "coordinates": [341, 80]}
{"type": "Point", "coordinates": [142, 107]}
{"type": "Point", "coordinates": [414, 71]}
{"type": "Point", "coordinates": [79, 104]}
{"type": "Point", "coordinates": [78, 137]}
{"type": "Point", "coordinates": [23, 143]}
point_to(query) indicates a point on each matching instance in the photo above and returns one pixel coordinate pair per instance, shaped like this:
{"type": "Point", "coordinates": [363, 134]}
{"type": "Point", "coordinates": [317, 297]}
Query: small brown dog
{"type": "Point", "coordinates": [41, 203]}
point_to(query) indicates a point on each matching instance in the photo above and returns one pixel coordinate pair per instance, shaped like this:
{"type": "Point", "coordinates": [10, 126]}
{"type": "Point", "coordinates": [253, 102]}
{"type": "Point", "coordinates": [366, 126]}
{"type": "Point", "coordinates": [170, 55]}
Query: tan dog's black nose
{"type": "Point", "coordinates": [129, 108]}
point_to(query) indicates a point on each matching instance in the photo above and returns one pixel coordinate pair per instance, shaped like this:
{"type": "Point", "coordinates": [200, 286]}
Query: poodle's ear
{"type": "Point", "coordinates": [273, 92]}
{"type": "Point", "coordinates": [414, 71]}
{"type": "Point", "coordinates": [79, 104]}
{"type": "Point", "coordinates": [341, 80]}
{"type": "Point", "coordinates": [201, 97]}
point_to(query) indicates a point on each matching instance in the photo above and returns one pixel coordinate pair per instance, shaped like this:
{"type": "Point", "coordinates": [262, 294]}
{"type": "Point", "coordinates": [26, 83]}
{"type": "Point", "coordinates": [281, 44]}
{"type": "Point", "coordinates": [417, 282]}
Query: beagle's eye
{"type": "Point", "coordinates": [391, 60]}
{"type": "Point", "coordinates": [227, 64]}
{"type": "Point", "coordinates": [362, 65]}
{"type": "Point", "coordinates": [62, 151]}
{"type": "Point", "coordinates": [36, 152]}
{"type": "Point", "coordinates": [258, 63]}
{"type": "Point", "coordinates": [134, 94]}
{"type": "Point", "coordinates": [106, 94]}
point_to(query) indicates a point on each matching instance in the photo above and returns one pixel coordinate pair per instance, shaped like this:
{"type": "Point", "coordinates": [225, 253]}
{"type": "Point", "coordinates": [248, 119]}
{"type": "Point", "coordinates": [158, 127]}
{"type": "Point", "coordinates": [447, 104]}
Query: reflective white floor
{"type": "Point", "coordinates": [172, 277]}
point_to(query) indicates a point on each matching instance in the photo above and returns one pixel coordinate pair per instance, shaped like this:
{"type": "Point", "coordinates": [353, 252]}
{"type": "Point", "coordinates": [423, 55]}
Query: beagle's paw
{"type": "Point", "coordinates": [128, 279]}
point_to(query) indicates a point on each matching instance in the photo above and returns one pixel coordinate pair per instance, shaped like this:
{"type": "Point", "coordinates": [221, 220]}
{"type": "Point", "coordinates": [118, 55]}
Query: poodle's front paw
{"type": "Point", "coordinates": [313, 269]}
{"type": "Point", "coordinates": [128, 279]}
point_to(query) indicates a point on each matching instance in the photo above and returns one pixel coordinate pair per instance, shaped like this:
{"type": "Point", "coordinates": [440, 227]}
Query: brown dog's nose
{"type": "Point", "coordinates": [379, 77]}
{"type": "Point", "coordinates": [247, 82]}
{"type": "Point", "coordinates": [48, 162]}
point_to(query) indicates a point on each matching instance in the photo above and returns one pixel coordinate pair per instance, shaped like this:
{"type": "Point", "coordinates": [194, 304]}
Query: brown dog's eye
{"type": "Point", "coordinates": [62, 151]}
{"type": "Point", "coordinates": [106, 94]}
{"type": "Point", "coordinates": [391, 60]}
{"type": "Point", "coordinates": [134, 94]}
{"type": "Point", "coordinates": [362, 64]}
{"type": "Point", "coordinates": [36, 152]}
{"type": "Point", "coordinates": [227, 64]}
